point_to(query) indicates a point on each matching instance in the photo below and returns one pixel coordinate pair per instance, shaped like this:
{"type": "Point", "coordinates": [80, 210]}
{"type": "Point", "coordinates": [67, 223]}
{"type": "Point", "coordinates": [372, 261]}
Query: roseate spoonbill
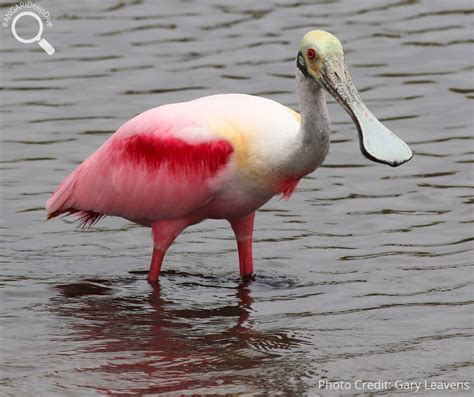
{"type": "Point", "coordinates": [221, 156]}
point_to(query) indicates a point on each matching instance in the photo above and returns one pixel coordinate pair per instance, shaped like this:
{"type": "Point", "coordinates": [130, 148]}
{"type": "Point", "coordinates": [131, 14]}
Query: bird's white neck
{"type": "Point", "coordinates": [312, 143]}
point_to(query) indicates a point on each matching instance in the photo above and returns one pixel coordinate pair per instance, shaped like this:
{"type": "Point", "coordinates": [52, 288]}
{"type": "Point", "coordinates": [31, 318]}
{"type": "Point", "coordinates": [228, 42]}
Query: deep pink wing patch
{"type": "Point", "coordinates": [141, 177]}
{"type": "Point", "coordinates": [153, 152]}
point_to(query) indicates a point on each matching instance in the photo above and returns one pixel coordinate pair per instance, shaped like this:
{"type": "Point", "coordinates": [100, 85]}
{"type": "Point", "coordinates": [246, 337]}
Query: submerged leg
{"type": "Point", "coordinates": [155, 266]}
{"type": "Point", "coordinates": [163, 233]}
{"type": "Point", "coordinates": [243, 229]}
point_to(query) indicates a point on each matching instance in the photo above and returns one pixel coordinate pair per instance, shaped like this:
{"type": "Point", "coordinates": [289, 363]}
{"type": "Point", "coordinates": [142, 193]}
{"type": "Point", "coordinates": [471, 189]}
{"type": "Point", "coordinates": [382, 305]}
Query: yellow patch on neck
{"type": "Point", "coordinates": [223, 129]}
{"type": "Point", "coordinates": [242, 141]}
{"type": "Point", "coordinates": [296, 115]}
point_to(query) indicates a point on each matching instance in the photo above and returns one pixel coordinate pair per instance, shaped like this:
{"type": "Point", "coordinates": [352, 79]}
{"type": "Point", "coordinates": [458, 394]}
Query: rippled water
{"type": "Point", "coordinates": [366, 273]}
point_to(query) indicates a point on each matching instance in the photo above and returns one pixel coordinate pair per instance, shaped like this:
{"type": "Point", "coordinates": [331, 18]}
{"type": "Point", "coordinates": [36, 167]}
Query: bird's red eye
{"type": "Point", "coordinates": [311, 54]}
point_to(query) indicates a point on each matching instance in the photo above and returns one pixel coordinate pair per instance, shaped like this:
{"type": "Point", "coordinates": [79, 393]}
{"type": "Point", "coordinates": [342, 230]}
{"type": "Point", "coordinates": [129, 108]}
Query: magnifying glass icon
{"type": "Point", "coordinates": [43, 43]}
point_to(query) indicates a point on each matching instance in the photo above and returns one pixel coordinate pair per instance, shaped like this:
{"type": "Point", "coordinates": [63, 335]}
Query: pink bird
{"type": "Point", "coordinates": [221, 156]}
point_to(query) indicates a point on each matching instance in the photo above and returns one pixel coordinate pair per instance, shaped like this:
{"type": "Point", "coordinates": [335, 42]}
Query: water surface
{"type": "Point", "coordinates": [366, 273]}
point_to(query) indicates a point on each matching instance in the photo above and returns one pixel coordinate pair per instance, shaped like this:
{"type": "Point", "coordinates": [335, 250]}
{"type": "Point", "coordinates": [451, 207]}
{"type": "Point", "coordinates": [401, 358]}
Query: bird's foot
{"type": "Point", "coordinates": [153, 280]}
{"type": "Point", "coordinates": [248, 277]}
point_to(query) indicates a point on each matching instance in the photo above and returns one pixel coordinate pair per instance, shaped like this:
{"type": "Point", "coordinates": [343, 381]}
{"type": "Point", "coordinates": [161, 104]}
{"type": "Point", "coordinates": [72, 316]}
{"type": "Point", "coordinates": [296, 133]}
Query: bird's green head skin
{"type": "Point", "coordinates": [321, 60]}
{"type": "Point", "coordinates": [317, 47]}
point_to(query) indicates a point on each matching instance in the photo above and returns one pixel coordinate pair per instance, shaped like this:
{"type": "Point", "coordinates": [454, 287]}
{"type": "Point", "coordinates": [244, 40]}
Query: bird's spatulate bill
{"type": "Point", "coordinates": [377, 142]}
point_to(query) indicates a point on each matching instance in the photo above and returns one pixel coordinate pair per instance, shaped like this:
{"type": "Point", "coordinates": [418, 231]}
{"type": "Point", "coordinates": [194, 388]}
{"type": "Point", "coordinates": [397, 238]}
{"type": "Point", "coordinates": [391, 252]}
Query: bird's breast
{"type": "Point", "coordinates": [270, 149]}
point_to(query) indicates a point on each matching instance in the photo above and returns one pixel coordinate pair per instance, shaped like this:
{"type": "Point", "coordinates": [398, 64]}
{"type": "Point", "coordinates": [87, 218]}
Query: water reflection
{"type": "Point", "coordinates": [163, 345]}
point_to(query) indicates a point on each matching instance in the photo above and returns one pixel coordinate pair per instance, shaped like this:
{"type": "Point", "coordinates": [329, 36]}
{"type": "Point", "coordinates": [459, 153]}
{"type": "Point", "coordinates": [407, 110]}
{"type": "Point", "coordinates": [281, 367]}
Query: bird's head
{"type": "Point", "coordinates": [321, 59]}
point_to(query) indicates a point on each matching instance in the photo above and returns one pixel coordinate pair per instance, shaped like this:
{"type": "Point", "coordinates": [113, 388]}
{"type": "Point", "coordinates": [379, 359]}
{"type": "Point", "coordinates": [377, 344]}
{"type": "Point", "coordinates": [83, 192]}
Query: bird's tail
{"type": "Point", "coordinates": [60, 201]}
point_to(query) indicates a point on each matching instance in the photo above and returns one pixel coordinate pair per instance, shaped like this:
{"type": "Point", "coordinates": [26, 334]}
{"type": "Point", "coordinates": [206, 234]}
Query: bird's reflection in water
{"type": "Point", "coordinates": [163, 345]}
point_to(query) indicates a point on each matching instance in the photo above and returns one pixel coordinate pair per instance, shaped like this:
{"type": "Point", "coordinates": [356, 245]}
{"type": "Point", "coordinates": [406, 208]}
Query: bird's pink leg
{"type": "Point", "coordinates": [163, 233]}
{"type": "Point", "coordinates": [243, 229]}
{"type": "Point", "coordinates": [155, 266]}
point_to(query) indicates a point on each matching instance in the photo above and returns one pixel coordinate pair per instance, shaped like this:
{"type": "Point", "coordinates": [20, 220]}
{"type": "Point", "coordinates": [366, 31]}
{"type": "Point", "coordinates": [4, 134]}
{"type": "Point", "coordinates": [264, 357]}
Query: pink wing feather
{"type": "Point", "coordinates": [144, 171]}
